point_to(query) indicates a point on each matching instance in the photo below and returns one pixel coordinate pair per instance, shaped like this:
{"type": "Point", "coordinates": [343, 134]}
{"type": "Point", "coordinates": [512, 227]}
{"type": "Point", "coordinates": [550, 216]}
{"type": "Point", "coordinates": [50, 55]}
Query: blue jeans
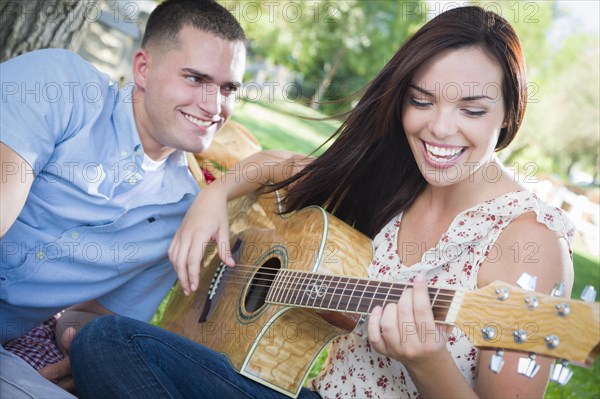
{"type": "Point", "coordinates": [117, 357]}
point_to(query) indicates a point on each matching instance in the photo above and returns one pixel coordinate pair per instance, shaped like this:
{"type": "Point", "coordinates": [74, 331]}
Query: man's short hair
{"type": "Point", "coordinates": [167, 19]}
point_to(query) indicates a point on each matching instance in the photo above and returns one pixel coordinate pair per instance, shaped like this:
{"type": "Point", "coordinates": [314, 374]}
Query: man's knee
{"type": "Point", "coordinates": [88, 340]}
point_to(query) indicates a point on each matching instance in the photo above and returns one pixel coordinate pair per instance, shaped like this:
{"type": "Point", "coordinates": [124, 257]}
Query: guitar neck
{"type": "Point", "coordinates": [345, 294]}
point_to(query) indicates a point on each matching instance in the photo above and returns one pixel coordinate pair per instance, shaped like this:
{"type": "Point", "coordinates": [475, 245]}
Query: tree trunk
{"type": "Point", "coordinates": [339, 57]}
{"type": "Point", "coordinates": [572, 163]}
{"type": "Point", "coordinates": [36, 24]}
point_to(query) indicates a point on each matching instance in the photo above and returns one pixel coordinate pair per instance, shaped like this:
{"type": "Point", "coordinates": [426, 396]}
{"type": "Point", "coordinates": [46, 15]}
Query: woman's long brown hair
{"type": "Point", "coordinates": [369, 174]}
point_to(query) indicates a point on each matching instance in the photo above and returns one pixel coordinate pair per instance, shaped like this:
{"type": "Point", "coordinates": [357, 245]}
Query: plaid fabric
{"type": "Point", "coordinates": [38, 347]}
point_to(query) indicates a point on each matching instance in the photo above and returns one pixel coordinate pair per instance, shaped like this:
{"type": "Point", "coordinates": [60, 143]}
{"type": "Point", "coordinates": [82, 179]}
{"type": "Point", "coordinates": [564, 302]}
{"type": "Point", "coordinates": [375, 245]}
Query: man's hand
{"type": "Point", "coordinates": [60, 372]}
{"type": "Point", "coordinates": [70, 322]}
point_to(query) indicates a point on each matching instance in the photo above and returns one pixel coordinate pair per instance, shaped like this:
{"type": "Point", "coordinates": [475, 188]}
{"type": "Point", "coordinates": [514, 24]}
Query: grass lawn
{"type": "Point", "coordinates": [276, 129]}
{"type": "Point", "coordinates": [585, 383]}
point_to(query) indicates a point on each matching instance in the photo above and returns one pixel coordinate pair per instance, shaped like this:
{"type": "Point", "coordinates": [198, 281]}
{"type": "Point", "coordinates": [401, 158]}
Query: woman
{"type": "Point", "coordinates": [414, 167]}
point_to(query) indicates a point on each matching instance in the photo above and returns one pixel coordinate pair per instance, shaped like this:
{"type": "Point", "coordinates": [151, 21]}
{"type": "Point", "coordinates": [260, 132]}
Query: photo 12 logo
{"type": "Point", "coordinates": [288, 11]}
{"type": "Point", "coordinates": [69, 11]}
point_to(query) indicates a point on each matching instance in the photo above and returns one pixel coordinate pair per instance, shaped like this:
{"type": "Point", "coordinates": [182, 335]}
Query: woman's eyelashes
{"type": "Point", "coordinates": [419, 102]}
{"type": "Point", "coordinates": [424, 104]}
{"type": "Point", "coordinates": [474, 113]}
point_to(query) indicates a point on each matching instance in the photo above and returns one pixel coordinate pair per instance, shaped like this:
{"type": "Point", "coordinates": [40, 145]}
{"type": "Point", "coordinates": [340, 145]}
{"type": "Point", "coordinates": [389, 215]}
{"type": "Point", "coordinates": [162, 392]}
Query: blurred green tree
{"type": "Point", "coordinates": [561, 129]}
{"type": "Point", "coordinates": [334, 47]}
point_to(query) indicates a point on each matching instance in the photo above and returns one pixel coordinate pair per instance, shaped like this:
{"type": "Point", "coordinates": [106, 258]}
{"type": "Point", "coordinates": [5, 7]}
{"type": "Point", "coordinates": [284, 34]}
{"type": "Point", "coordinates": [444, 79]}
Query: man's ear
{"type": "Point", "coordinates": [141, 63]}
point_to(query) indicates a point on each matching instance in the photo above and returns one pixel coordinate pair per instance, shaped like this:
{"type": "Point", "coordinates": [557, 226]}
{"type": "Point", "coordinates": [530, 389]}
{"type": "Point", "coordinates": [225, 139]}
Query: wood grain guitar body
{"type": "Point", "coordinates": [272, 344]}
{"type": "Point", "coordinates": [300, 281]}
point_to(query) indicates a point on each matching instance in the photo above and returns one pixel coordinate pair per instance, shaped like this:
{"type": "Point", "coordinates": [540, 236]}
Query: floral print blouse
{"type": "Point", "coordinates": [355, 370]}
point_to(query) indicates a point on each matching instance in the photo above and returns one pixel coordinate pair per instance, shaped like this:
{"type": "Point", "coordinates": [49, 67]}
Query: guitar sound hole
{"type": "Point", "coordinates": [260, 284]}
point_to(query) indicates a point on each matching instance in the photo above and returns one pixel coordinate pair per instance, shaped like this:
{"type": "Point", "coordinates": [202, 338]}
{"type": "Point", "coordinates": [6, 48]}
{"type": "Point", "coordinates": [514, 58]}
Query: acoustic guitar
{"type": "Point", "coordinates": [301, 280]}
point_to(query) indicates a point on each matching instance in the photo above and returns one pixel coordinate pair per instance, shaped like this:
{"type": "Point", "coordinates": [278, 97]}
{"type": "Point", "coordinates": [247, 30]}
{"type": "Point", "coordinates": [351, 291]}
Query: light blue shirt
{"type": "Point", "coordinates": [71, 242]}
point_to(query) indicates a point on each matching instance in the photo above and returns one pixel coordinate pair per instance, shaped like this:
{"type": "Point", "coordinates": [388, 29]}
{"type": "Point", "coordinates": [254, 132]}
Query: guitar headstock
{"type": "Point", "coordinates": [507, 317]}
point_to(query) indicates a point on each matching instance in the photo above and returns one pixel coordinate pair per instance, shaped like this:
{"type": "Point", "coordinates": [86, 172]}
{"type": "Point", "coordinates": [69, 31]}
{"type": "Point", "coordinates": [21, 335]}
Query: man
{"type": "Point", "coordinates": [94, 179]}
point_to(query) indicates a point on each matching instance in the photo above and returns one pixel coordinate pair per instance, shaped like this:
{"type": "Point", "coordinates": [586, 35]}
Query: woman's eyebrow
{"type": "Point", "coordinates": [465, 99]}
{"type": "Point", "coordinates": [475, 98]}
{"type": "Point", "coordinates": [421, 90]}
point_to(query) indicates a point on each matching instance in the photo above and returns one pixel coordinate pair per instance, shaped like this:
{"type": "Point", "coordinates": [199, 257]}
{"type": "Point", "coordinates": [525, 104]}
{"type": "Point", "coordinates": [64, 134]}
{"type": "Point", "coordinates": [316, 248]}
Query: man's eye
{"type": "Point", "coordinates": [194, 79]}
{"type": "Point", "coordinates": [229, 89]}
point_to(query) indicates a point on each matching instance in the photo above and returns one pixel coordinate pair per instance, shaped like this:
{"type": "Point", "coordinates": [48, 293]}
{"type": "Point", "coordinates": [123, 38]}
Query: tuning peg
{"type": "Point", "coordinates": [531, 302]}
{"type": "Point", "coordinates": [552, 341]}
{"type": "Point", "coordinates": [528, 366]}
{"type": "Point", "coordinates": [563, 309]}
{"type": "Point", "coordinates": [560, 373]}
{"type": "Point", "coordinates": [588, 294]}
{"type": "Point", "coordinates": [527, 282]}
{"type": "Point", "coordinates": [497, 361]}
{"type": "Point", "coordinates": [488, 333]}
{"type": "Point", "coordinates": [558, 289]}
{"type": "Point", "coordinates": [502, 293]}
{"type": "Point", "coordinates": [520, 336]}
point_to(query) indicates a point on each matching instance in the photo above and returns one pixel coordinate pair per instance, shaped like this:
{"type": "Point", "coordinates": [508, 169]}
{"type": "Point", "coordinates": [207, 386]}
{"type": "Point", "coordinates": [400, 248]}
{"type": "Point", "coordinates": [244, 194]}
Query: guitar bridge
{"type": "Point", "coordinates": [212, 291]}
{"type": "Point", "coordinates": [214, 285]}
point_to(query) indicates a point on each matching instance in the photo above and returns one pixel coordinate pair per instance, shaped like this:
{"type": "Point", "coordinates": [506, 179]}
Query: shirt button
{"type": "Point", "coordinates": [139, 151]}
{"type": "Point", "coordinates": [133, 181]}
{"type": "Point", "coordinates": [124, 153]}
{"type": "Point", "coordinates": [74, 235]}
{"type": "Point", "coordinates": [40, 255]}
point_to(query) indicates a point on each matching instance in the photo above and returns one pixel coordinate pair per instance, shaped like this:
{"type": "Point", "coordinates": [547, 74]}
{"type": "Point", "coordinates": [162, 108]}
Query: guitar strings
{"type": "Point", "coordinates": [344, 300]}
{"type": "Point", "coordinates": [301, 289]}
{"type": "Point", "coordinates": [360, 282]}
{"type": "Point", "coordinates": [246, 274]}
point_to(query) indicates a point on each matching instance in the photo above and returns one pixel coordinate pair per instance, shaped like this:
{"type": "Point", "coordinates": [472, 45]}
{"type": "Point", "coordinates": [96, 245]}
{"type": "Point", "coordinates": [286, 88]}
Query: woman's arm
{"type": "Point", "coordinates": [406, 331]}
{"type": "Point", "coordinates": [423, 351]}
{"type": "Point", "coordinates": [207, 220]}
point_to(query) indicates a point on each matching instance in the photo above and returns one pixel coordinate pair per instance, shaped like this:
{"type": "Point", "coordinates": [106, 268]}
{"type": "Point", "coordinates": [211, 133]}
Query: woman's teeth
{"type": "Point", "coordinates": [443, 154]}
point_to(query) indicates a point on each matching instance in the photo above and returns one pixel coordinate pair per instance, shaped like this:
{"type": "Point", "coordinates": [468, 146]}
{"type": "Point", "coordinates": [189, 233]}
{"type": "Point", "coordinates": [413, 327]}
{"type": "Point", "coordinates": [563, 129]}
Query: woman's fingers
{"type": "Point", "coordinates": [374, 329]}
{"type": "Point", "coordinates": [422, 312]}
{"type": "Point", "coordinates": [407, 330]}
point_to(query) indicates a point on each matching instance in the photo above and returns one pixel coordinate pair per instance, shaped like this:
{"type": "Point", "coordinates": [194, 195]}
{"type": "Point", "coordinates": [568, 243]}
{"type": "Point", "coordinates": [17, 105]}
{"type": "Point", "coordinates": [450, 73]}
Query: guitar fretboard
{"type": "Point", "coordinates": [345, 294]}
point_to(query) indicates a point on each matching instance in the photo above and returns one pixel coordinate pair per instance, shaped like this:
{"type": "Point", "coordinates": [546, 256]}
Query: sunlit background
{"type": "Point", "coordinates": [311, 57]}
{"type": "Point", "coordinates": [304, 55]}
